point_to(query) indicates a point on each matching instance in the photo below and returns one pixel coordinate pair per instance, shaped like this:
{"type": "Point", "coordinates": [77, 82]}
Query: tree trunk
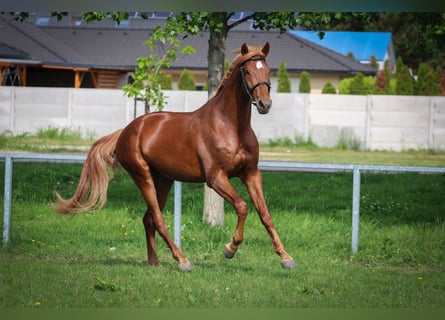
{"type": "Point", "coordinates": [213, 212]}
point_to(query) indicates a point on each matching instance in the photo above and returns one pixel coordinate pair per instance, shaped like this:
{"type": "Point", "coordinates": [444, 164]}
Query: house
{"type": "Point", "coordinates": [71, 53]}
{"type": "Point", "coordinates": [362, 45]}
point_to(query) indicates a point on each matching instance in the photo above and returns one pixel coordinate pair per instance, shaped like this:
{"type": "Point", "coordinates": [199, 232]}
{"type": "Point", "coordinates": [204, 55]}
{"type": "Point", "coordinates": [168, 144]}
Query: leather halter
{"type": "Point", "coordinates": [243, 76]}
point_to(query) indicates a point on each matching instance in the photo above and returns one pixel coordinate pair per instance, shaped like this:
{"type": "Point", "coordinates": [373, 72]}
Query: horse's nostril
{"type": "Point", "coordinates": [263, 107]}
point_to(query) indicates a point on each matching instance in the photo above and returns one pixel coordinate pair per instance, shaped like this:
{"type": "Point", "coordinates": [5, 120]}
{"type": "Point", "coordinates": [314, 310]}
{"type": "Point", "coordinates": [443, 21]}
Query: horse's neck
{"type": "Point", "coordinates": [235, 104]}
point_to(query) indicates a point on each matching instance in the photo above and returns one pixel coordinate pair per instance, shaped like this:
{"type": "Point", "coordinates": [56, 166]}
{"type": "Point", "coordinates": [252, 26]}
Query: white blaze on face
{"type": "Point", "coordinates": [259, 65]}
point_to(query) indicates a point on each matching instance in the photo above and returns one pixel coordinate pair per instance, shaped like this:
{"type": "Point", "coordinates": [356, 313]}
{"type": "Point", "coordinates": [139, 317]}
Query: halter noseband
{"type": "Point", "coordinates": [251, 90]}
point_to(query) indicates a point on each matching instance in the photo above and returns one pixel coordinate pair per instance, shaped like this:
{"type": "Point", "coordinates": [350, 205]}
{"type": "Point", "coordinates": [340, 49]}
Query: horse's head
{"type": "Point", "coordinates": [255, 74]}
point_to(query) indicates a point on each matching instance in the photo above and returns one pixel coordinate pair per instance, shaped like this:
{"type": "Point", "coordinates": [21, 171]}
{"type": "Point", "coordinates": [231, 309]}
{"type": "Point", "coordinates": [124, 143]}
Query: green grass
{"type": "Point", "coordinates": [98, 259]}
{"type": "Point", "coordinates": [47, 140]}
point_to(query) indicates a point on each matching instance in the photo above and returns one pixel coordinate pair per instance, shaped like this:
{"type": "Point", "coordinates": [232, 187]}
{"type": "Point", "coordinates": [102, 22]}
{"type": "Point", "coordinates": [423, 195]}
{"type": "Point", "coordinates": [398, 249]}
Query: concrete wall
{"type": "Point", "coordinates": [372, 122]}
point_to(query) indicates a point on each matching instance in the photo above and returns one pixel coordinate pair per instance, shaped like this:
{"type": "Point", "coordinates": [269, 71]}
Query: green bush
{"type": "Point", "coordinates": [284, 84]}
{"type": "Point", "coordinates": [344, 86]}
{"type": "Point", "coordinates": [186, 81]}
{"type": "Point", "coordinates": [405, 83]}
{"type": "Point", "coordinates": [381, 83]}
{"type": "Point", "coordinates": [166, 81]}
{"type": "Point", "coordinates": [427, 82]}
{"type": "Point", "coordinates": [373, 62]}
{"type": "Point", "coordinates": [358, 84]}
{"type": "Point", "coordinates": [305, 83]}
{"type": "Point", "coordinates": [328, 88]}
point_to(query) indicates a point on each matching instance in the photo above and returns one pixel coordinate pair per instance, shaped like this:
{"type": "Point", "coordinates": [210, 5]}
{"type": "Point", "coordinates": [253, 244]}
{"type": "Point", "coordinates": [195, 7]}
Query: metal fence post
{"type": "Point", "coordinates": [355, 208]}
{"type": "Point", "coordinates": [7, 199]}
{"type": "Point", "coordinates": [177, 213]}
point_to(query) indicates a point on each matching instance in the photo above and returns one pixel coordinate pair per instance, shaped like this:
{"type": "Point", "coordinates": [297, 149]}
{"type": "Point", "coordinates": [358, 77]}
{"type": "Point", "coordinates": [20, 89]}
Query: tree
{"type": "Point", "coordinates": [344, 86]}
{"type": "Point", "coordinates": [404, 81]}
{"type": "Point", "coordinates": [328, 88]}
{"type": "Point", "coordinates": [166, 81]}
{"type": "Point", "coordinates": [373, 62]}
{"type": "Point", "coordinates": [405, 84]}
{"type": "Point", "coordinates": [426, 83]}
{"type": "Point", "coordinates": [380, 81]}
{"type": "Point", "coordinates": [350, 55]}
{"type": "Point", "coordinates": [186, 81]}
{"type": "Point", "coordinates": [284, 84]}
{"type": "Point", "coordinates": [305, 83]}
{"type": "Point", "coordinates": [358, 84]}
{"type": "Point", "coordinates": [442, 84]}
{"type": "Point", "coordinates": [147, 77]}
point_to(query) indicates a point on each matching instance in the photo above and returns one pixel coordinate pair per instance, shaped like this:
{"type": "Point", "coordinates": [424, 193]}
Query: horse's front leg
{"type": "Point", "coordinates": [255, 188]}
{"type": "Point", "coordinates": [220, 183]}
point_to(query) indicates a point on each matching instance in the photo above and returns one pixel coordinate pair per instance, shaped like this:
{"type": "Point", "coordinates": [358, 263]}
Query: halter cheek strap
{"type": "Point", "coordinates": [251, 90]}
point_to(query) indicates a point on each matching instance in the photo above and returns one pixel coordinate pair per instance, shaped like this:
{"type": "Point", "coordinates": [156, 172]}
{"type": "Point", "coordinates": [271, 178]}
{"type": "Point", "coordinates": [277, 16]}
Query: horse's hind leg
{"type": "Point", "coordinates": [147, 183]}
{"type": "Point", "coordinates": [150, 236]}
{"type": "Point", "coordinates": [163, 187]}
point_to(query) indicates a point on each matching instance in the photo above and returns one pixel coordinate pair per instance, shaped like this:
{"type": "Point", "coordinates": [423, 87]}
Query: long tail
{"type": "Point", "coordinates": [91, 193]}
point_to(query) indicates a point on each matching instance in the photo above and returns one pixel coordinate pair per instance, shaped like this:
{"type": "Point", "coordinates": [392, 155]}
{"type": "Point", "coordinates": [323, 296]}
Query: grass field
{"type": "Point", "coordinates": [98, 259]}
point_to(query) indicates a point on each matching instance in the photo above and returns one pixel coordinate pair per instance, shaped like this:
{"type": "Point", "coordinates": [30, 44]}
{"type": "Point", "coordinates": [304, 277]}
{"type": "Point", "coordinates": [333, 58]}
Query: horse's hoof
{"type": "Point", "coordinates": [288, 264]}
{"type": "Point", "coordinates": [186, 266]}
{"type": "Point", "coordinates": [227, 252]}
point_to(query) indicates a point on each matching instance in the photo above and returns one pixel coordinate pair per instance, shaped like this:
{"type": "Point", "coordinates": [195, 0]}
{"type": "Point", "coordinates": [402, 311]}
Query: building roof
{"type": "Point", "coordinates": [103, 45]}
{"type": "Point", "coordinates": [11, 52]}
{"type": "Point", "coordinates": [362, 44]}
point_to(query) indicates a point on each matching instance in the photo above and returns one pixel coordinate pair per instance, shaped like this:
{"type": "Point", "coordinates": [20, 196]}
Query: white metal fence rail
{"type": "Point", "coordinates": [276, 166]}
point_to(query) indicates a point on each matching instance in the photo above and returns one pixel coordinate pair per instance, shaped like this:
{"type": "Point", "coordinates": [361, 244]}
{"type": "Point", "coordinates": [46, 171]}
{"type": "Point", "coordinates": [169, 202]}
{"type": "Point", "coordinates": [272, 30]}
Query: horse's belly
{"type": "Point", "coordinates": [180, 172]}
{"type": "Point", "coordinates": [176, 163]}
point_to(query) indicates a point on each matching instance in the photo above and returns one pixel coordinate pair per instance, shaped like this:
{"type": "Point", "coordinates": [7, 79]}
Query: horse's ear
{"type": "Point", "coordinates": [244, 49]}
{"type": "Point", "coordinates": [266, 49]}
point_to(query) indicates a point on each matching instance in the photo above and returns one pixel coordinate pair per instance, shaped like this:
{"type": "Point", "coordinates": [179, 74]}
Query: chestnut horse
{"type": "Point", "coordinates": [211, 144]}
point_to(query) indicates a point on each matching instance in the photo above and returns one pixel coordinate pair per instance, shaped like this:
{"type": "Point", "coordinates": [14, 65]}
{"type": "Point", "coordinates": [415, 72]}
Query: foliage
{"type": "Point", "coordinates": [442, 84]}
{"type": "Point", "coordinates": [373, 62]}
{"type": "Point", "coordinates": [23, 16]}
{"type": "Point", "coordinates": [186, 81]}
{"type": "Point", "coordinates": [344, 85]}
{"type": "Point", "coordinates": [347, 140]}
{"type": "Point", "coordinates": [164, 43]}
{"type": "Point", "coordinates": [226, 65]}
{"type": "Point", "coordinates": [357, 84]}
{"type": "Point", "coordinates": [305, 83]}
{"type": "Point", "coordinates": [284, 84]}
{"type": "Point", "coordinates": [427, 81]}
{"type": "Point", "coordinates": [328, 88]}
{"type": "Point", "coordinates": [381, 82]}
{"type": "Point", "coordinates": [298, 141]}
{"type": "Point", "coordinates": [350, 55]}
{"type": "Point", "coordinates": [405, 83]}
{"type": "Point", "coordinates": [166, 81]}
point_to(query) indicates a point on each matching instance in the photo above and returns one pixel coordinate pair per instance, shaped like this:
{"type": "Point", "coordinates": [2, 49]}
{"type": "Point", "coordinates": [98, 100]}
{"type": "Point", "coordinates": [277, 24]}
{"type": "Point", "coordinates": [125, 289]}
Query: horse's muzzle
{"type": "Point", "coordinates": [263, 107]}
